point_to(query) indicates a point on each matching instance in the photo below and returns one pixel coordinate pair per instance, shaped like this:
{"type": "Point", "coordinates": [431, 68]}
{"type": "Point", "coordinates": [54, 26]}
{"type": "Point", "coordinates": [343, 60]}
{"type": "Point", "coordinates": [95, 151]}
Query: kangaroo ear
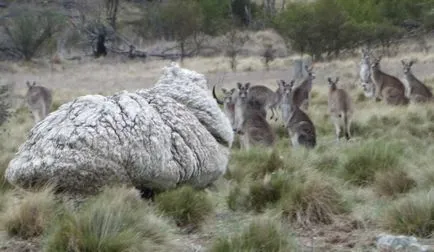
{"type": "Point", "coordinates": [292, 83]}
{"type": "Point", "coordinates": [403, 62]}
{"type": "Point", "coordinates": [239, 85]}
{"type": "Point", "coordinates": [247, 85]}
{"type": "Point", "coordinates": [224, 90]}
{"type": "Point", "coordinates": [28, 84]}
{"type": "Point", "coordinates": [34, 83]}
{"type": "Point", "coordinates": [329, 80]}
{"type": "Point", "coordinates": [337, 79]}
{"type": "Point", "coordinates": [411, 63]}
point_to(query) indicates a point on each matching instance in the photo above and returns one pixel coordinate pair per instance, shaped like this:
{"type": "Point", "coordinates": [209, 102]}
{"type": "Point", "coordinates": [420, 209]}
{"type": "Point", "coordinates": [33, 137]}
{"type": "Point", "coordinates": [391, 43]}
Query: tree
{"type": "Point", "coordinates": [183, 22]}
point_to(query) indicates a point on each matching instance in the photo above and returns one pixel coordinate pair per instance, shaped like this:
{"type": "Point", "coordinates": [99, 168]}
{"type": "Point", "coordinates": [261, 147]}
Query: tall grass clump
{"type": "Point", "coordinates": [411, 215]}
{"type": "Point", "coordinates": [255, 163]}
{"type": "Point", "coordinates": [362, 162]}
{"type": "Point", "coordinates": [311, 200]}
{"type": "Point", "coordinates": [115, 220]}
{"type": "Point", "coordinates": [263, 234]}
{"type": "Point", "coordinates": [29, 217]}
{"type": "Point", "coordinates": [188, 207]}
{"type": "Point", "coordinates": [393, 182]}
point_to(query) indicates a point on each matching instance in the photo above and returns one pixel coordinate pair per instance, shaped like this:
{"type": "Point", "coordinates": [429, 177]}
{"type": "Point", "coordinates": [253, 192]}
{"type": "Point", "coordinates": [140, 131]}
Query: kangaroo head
{"type": "Point", "coordinates": [30, 85]}
{"type": "Point", "coordinates": [310, 73]}
{"type": "Point", "coordinates": [376, 63]}
{"type": "Point", "coordinates": [228, 96]}
{"type": "Point", "coordinates": [407, 66]}
{"type": "Point", "coordinates": [243, 90]}
{"type": "Point", "coordinates": [333, 84]}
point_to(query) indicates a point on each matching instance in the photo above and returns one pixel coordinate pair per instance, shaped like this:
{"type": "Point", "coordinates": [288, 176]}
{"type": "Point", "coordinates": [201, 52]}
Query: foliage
{"type": "Point", "coordinates": [187, 206]}
{"type": "Point", "coordinates": [31, 216]}
{"type": "Point", "coordinates": [31, 30]}
{"type": "Point", "coordinates": [412, 215]}
{"type": "Point", "coordinates": [264, 234]}
{"type": "Point", "coordinates": [393, 182]}
{"type": "Point", "coordinates": [116, 220]}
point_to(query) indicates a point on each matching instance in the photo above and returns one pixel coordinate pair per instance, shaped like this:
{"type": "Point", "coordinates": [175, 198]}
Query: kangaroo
{"type": "Point", "coordinates": [418, 92]}
{"type": "Point", "coordinates": [365, 74]}
{"type": "Point", "coordinates": [266, 97]}
{"type": "Point", "coordinates": [251, 123]}
{"type": "Point", "coordinates": [39, 100]}
{"type": "Point", "coordinates": [301, 92]}
{"type": "Point", "coordinates": [228, 102]}
{"type": "Point", "coordinates": [387, 87]}
{"type": "Point", "coordinates": [340, 109]}
{"type": "Point", "coordinates": [300, 128]}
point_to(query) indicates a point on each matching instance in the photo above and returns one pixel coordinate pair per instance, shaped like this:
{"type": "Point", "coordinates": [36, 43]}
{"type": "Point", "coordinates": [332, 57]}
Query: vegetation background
{"type": "Point", "coordinates": [337, 197]}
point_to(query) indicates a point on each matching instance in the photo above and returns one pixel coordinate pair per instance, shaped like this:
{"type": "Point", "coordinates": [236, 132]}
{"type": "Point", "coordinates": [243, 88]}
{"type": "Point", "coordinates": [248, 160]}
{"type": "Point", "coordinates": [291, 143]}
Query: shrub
{"type": "Point", "coordinates": [263, 234]}
{"type": "Point", "coordinates": [31, 30]}
{"type": "Point", "coordinates": [311, 200]}
{"type": "Point", "coordinates": [255, 163]}
{"type": "Point", "coordinates": [393, 182]}
{"type": "Point", "coordinates": [362, 162]}
{"type": "Point", "coordinates": [31, 215]}
{"type": "Point", "coordinates": [187, 206]}
{"type": "Point", "coordinates": [115, 220]}
{"type": "Point", "coordinates": [412, 215]}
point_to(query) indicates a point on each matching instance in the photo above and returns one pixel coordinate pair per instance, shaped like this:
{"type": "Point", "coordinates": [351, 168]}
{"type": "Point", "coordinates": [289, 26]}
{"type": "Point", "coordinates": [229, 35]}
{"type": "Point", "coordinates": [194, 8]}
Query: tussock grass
{"type": "Point", "coordinates": [115, 220]}
{"type": "Point", "coordinates": [263, 234]}
{"type": "Point", "coordinates": [393, 182]}
{"type": "Point", "coordinates": [186, 206]}
{"type": "Point", "coordinates": [362, 162]}
{"type": "Point", "coordinates": [411, 215]}
{"type": "Point", "coordinates": [312, 200]}
{"type": "Point", "coordinates": [31, 215]}
{"type": "Point", "coordinates": [255, 163]}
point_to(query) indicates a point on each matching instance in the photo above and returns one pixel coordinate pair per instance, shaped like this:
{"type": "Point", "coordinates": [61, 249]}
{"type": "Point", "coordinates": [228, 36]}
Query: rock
{"type": "Point", "coordinates": [171, 134]}
{"type": "Point", "coordinates": [391, 243]}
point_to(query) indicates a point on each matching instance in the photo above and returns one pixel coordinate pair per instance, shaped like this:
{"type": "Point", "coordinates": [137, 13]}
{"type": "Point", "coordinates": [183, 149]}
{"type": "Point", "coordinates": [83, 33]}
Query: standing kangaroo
{"type": "Point", "coordinates": [365, 74]}
{"type": "Point", "coordinates": [251, 123]}
{"type": "Point", "coordinates": [300, 128]}
{"type": "Point", "coordinates": [301, 92]}
{"type": "Point", "coordinates": [418, 92]}
{"type": "Point", "coordinates": [340, 109]}
{"type": "Point", "coordinates": [228, 102]}
{"type": "Point", "coordinates": [39, 100]}
{"type": "Point", "coordinates": [387, 87]}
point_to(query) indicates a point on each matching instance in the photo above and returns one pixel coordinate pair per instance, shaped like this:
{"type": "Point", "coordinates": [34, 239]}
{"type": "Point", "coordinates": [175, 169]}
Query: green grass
{"type": "Point", "coordinates": [411, 215]}
{"type": "Point", "coordinates": [262, 235]}
{"type": "Point", "coordinates": [186, 206]}
{"type": "Point", "coordinates": [116, 220]}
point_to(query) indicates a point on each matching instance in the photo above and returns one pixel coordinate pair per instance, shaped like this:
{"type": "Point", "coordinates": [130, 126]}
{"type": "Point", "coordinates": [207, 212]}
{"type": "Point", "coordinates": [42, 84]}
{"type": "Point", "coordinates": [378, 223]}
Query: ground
{"type": "Point", "coordinates": [353, 231]}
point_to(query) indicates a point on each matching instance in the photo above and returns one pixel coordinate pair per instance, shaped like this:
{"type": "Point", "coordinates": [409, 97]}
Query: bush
{"type": "Point", "coordinates": [253, 164]}
{"type": "Point", "coordinates": [312, 200]}
{"type": "Point", "coordinates": [393, 182]}
{"type": "Point", "coordinates": [31, 30]}
{"type": "Point", "coordinates": [260, 235]}
{"type": "Point", "coordinates": [116, 220]}
{"type": "Point", "coordinates": [187, 206]}
{"type": "Point", "coordinates": [362, 162]}
{"type": "Point", "coordinates": [412, 215]}
{"type": "Point", "coordinates": [31, 215]}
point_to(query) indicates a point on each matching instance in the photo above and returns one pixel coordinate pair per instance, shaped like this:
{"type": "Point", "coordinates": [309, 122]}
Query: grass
{"type": "Point", "coordinates": [264, 234]}
{"type": "Point", "coordinates": [186, 206]}
{"type": "Point", "coordinates": [116, 220]}
{"type": "Point", "coordinates": [362, 162]}
{"type": "Point", "coordinates": [379, 180]}
{"type": "Point", "coordinates": [30, 216]}
{"type": "Point", "coordinates": [411, 215]}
